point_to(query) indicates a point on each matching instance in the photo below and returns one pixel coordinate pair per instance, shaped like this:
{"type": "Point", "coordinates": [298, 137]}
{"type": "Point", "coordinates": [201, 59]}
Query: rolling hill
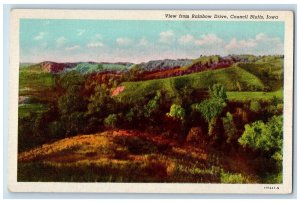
{"type": "Point", "coordinates": [233, 78]}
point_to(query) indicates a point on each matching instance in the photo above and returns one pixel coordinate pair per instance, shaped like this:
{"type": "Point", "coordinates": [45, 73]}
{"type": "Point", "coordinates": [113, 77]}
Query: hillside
{"type": "Point", "coordinates": [233, 78]}
{"type": "Point", "coordinates": [269, 69]}
{"type": "Point", "coordinates": [122, 156]}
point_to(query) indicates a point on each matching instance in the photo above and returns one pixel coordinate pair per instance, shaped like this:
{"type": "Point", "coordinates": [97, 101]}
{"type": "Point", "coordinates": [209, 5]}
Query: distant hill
{"type": "Point", "coordinates": [89, 67]}
{"type": "Point", "coordinates": [164, 64]}
{"type": "Point", "coordinates": [54, 67]}
{"type": "Point", "coordinates": [82, 67]}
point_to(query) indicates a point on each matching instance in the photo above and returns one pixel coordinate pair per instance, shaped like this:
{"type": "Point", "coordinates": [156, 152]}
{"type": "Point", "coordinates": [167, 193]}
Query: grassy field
{"type": "Point", "coordinates": [233, 79]}
{"type": "Point", "coordinates": [33, 79]}
{"type": "Point", "coordinates": [246, 96]}
{"type": "Point", "coordinates": [124, 156]}
{"type": "Point", "coordinates": [268, 69]}
{"type": "Point", "coordinates": [25, 110]}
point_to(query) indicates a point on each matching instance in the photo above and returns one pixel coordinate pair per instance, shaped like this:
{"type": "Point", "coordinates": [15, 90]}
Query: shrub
{"type": "Point", "coordinates": [255, 106]}
{"type": "Point", "coordinates": [56, 129]}
{"type": "Point", "coordinates": [111, 121]}
{"type": "Point", "coordinates": [230, 128]}
{"type": "Point", "coordinates": [100, 103]}
{"type": "Point", "coordinates": [152, 105]}
{"type": "Point", "coordinates": [265, 136]}
{"type": "Point", "coordinates": [227, 177]}
{"type": "Point", "coordinates": [212, 128]}
{"type": "Point", "coordinates": [176, 111]}
{"type": "Point", "coordinates": [209, 108]}
{"type": "Point", "coordinates": [217, 91]}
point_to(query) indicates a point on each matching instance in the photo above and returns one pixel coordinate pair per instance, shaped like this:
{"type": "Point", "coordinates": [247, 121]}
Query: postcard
{"type": "Point", "coordinates": [151, 101]}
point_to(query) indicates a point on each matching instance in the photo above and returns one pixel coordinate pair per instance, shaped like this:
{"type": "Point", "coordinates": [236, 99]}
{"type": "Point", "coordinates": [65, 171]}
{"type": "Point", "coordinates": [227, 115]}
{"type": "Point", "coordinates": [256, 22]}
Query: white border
{"type": "Point", "coordinates": [15, 186]}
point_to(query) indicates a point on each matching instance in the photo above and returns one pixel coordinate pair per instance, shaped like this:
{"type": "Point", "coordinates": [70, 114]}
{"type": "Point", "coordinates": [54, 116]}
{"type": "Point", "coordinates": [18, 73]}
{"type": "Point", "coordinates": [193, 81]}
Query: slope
{"type": "Point", "coordinates": [233, 78]}
{"type": "Point", "coordinates": [122, 156]}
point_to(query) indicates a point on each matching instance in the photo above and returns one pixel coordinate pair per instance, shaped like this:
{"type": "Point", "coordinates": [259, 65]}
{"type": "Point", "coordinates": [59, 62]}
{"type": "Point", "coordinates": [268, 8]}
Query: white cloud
{"type": "Point", "coordinates": [185, 39]}
{"type": "Point", "coordinates": [98, 36]}
{"type": "Point", "coordinates": [166, 37]}
{"type": "Point", "coordinates": [95, 44]}
{"type": "Point", "coordinates": [235, 44]}
{"type": "Point", "coordinates": [80, 32]}
{"type": "Point", "coordinates": [60, 41]}
{"type": "Point", "coordinates": [260, 36]}
{"type": "Point", "coordinates": [143, 42]}
{"type": "Point", "coordinates": [208, 39]}
{"type": "Point", "coordinates": [40, 36]}
{"type": "Point", "coordinates": [261, 44]}
{"type": "Point", "coordinates": [72, 48]}
{"type": "Point", "coordinates": [124, 41]}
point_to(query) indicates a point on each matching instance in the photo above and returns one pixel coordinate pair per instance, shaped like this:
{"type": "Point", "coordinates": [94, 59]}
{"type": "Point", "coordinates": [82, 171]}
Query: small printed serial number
{"type": "Point", "coordinates": [271, 187]}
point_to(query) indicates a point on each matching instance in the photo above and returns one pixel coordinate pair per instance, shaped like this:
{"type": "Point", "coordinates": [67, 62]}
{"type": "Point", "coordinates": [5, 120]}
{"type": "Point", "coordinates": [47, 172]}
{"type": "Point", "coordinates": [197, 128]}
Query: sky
{"type": "Point", "coordinates": [72, 40]}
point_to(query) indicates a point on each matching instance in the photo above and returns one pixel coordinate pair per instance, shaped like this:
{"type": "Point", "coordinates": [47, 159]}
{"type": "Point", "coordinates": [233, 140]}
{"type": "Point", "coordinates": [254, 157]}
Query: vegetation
{"type": "Point", "coordinates": [212, 120]}
{"type": "Point", "coordinates": [265, 136]}
{"type": "Point", "coordinates": [136, 91]}
{"type": "Point", "coordinates": [230, 128]}
{"type": "Point", "coordinates": [177, 112]}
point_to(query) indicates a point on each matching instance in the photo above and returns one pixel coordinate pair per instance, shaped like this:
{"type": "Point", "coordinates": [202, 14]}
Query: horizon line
{"type": "Point", "coordinates": [111, 62]}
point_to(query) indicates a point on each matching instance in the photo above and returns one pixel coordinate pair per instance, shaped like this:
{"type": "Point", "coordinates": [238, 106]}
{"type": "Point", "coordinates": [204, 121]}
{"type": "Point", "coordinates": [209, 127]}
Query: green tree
{"type": "Point", "coordinates": [217, 91]}
{"type": "Point", "coordinates": [72, 104]}
{"type": "Point", "coordinates": [255, 106]}
{"type": "Point", "coordinates": [133, 73]}
{"type": "Point", "coordinates": [176, 111]}
{"type": "Point", "coordinates": [56, 129]}
{"type": "Point", "coordinates": [230, 128]}
{"type": "Point", "coordinates": [74, 122]}
{"type": "Point", "coordinates": [210, 108]}
{"type": "Point", "coordinates": [71, 80]}
{"type": "Point", "coordinates": [100, 104]}
{"type": "Point", "coordinates": [111, 121]}
{"type": "Point", "coordinates": [265, 136]}
{"type": "Point", "coordinates": [153, 105]}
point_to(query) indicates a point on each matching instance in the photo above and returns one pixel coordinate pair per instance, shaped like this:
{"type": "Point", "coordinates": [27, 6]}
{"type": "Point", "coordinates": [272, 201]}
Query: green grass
{"type": "Point", "coordinates": [247, 96]}
{"type": "Point", "coordinates": [232, 178]}
{"type": "Point", "coordinates": [272, 178]}
{"type": "Point", "coordinates": [233, 79]}
{"type": "Point", "coordinates": [269, 70]}
{"type": "Point", "coordinates": [34, 78]}
{"type": "Point", "coordinates": [25, 110]}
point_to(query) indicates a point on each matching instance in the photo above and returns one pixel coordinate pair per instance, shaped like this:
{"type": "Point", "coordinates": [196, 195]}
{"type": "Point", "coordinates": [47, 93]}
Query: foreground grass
{"type": "Point", "coordinates": [122, 156]}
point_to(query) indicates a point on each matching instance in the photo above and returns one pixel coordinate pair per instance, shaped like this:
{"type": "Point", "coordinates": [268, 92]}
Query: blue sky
{"type": "Point", "coordinates": [139, 41]}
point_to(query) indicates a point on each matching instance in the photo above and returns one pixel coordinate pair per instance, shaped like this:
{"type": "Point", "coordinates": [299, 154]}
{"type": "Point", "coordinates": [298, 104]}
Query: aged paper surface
{"type": "Point", "coordinates": [153, 101]}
